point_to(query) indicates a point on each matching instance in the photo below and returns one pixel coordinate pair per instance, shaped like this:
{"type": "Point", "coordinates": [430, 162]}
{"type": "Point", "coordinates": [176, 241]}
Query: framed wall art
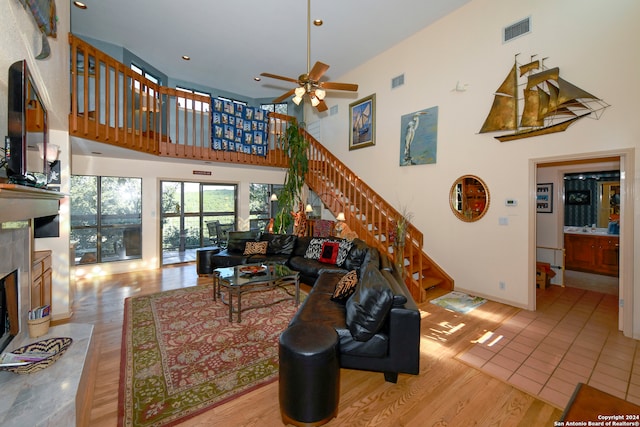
{"type": "Point", "coordinates": [579, 197]}
{"type": "Point", "coordinates": [419, 137]}
{"type": "Point", "coordinates": [362, 120]}
{"type": "Point", "coordinates": [544, 198]}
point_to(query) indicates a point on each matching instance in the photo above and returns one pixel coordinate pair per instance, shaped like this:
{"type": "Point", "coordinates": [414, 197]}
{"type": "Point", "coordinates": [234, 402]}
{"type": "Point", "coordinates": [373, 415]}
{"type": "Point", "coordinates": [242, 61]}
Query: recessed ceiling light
{"type": "Point", "coordinates": [79, 5]}
{"type": "Point", "coordinates": [186, 57]}
{"type": "Point", "coordinates": [317, 22]}
{"type": "Point", "coordinates": [256, 78]}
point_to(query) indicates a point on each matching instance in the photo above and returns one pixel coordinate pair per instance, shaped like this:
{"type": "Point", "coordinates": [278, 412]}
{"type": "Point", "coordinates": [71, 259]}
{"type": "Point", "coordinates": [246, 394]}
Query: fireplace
{"type": "Point", "coordinates": [9, 319]}
{"type": "Point", "coordinates": [60, 394]}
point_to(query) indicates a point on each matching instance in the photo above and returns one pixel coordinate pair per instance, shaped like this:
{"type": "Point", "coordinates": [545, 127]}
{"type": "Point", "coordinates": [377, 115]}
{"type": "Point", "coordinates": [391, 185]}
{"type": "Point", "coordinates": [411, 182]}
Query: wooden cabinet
{"type": "Point", "coordinates": [41, 278]}
{"type": "Point", "coordinates": [592, 253]}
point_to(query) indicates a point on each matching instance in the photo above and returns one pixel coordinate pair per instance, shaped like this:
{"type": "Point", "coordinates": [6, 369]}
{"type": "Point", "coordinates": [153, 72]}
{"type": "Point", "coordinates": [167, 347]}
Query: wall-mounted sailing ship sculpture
{"type": "Point", "coordinates": [549, 103]}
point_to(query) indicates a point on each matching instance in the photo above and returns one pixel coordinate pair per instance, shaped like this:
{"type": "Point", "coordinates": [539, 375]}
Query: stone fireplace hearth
{"type": "Point", "coordinates": [57, 395]}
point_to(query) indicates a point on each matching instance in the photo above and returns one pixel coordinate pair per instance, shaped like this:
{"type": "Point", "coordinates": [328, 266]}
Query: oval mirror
{"type": "Point", "coordinates": [469, 198]}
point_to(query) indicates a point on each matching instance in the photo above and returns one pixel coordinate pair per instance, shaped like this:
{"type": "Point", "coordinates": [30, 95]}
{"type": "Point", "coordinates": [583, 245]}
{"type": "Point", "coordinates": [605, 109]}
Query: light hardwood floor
{"type": "Point", "coordinates": [445, 393]}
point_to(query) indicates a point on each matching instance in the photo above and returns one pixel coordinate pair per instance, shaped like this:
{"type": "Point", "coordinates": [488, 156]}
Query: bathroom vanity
{"type": "Point", "coordinates": [591, 251]}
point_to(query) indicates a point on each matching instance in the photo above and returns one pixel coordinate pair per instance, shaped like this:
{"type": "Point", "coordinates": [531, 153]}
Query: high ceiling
{"type": "Point", "coordinates": [231, 42]}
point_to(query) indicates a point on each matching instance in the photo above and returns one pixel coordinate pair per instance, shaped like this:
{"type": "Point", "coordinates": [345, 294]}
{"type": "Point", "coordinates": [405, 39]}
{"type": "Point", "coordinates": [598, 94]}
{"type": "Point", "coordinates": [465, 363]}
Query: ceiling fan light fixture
{"type": "Point", "coordinates": [314, 101]}
{"type": "Point", "coordinates": [320, 93]}
{"type": "Point", "coordinates": [297, 99]}
{"type": "Point", "coordinates": [299, 91]}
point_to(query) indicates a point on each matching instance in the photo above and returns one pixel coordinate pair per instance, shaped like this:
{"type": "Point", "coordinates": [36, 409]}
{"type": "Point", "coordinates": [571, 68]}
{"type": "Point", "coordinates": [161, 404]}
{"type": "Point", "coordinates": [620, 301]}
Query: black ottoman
{"type": "Point", "coordinates": [203, 259]}
{"type": "Point", "coordinates": [309, 385]}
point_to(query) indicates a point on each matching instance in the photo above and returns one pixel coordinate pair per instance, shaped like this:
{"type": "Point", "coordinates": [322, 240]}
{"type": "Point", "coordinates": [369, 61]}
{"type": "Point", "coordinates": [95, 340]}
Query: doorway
{"type": "Point", "coordinates": [186, 209]}
{"type": "Point", "coordinates": [550, 226]}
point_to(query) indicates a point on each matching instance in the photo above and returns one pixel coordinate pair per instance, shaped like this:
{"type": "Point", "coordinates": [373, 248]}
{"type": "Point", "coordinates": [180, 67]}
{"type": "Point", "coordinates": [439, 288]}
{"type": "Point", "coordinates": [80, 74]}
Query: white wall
{"type": "Point", "coordinates": [152, 172]}
{"type": "Point", "coordinates": [21, 40]}
{"type": "Point", "coordinates": [593, 44]}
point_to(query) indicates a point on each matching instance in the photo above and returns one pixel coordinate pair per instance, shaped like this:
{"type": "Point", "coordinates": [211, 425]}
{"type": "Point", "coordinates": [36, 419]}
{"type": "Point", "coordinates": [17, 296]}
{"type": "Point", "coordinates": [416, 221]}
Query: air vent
{"type": "Point", "coordinates": [516, 30]}
{"type": "Point", "coordinates": [333, 110]}
{"type": "Point", "coordinates": [397, 81]}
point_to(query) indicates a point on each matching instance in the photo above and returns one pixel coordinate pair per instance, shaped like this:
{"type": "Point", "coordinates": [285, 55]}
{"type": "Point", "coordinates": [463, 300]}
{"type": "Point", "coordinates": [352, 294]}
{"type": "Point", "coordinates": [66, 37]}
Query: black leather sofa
{"type": "Point", "coordinates": [378, 326]}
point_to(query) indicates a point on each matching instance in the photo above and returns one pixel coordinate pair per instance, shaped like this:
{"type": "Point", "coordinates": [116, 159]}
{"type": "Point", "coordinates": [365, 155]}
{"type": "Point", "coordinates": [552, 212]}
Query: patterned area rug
{"type": "Point", "coordinates": [458, 301]}
{"type": "Point", "coordinates": [181, 356]}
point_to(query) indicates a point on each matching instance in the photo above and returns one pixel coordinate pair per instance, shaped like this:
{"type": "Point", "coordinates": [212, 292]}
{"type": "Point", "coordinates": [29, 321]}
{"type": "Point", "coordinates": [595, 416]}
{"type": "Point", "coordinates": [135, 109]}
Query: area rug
{"type": "Point", "coordinates": [458, 301]}
{"type": "Point", "coordinates": [181, 356]}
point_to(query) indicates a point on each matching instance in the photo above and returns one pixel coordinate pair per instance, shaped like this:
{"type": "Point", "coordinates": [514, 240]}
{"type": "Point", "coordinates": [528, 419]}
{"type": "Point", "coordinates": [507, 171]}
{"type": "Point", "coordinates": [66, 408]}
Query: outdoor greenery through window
{"type": "Point", "coordinates": [189, 213]}
{"type": "Point", "coordinates": [261, 208]}
{"type": "Point", "coordinates": [106, 218]}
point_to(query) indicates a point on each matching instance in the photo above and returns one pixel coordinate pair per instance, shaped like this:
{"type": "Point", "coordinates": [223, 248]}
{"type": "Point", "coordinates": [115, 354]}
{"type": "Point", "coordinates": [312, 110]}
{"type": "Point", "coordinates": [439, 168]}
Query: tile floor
{"type": "Point", "coordinates": [572, 337]}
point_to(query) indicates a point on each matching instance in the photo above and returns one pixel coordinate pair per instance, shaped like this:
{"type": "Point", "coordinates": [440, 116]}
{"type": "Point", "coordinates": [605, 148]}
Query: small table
{"type": "Point", "coordinates": [243, 279]}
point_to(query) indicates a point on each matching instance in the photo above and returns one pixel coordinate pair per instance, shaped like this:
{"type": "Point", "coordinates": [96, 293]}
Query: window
{"type": "Point", "coordinates": [188, 103]}
{"type": "Point", "coordinates": [106, 218]}
{"type": "Point", "coordinates": [280, 108]}
{"type": "Point", "coordinates": [147, 75]}
{"type": "Point", "coordinates": [189, 211]}
{"type": "Point", "coordinates": [261, 208]}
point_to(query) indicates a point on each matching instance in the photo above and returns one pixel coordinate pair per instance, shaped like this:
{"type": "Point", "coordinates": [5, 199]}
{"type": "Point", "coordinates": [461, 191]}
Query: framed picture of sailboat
{"type": "Point", "coordinates": [362, 119]}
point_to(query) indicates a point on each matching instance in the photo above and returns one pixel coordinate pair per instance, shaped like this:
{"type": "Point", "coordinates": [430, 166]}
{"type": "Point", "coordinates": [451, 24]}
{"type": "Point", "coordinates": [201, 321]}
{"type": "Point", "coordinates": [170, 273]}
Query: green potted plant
{"type": "Point", "coordinates": [294, 143]}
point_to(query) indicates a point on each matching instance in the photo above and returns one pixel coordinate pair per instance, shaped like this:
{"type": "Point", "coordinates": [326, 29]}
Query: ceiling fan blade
{"type": "Point", "coordinates": [318, 71]}
{"type": "Point", "coordinates": [322, 106]}
{"type": "Point", "coordinates": [275, 76]}
{"type": "Point", "coordinates": [284, 96]}
{"type": "Point", "coordinates": [339, 86]}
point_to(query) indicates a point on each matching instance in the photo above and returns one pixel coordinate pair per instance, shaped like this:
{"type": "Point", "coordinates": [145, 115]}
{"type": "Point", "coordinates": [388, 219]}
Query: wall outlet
{"type": "Point", "coordinates": [503, 286]}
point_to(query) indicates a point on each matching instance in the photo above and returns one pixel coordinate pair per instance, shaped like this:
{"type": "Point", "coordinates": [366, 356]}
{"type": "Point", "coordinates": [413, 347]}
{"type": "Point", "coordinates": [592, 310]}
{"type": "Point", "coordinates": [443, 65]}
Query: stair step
{"type": "Point", "coordinates": [431, 282]}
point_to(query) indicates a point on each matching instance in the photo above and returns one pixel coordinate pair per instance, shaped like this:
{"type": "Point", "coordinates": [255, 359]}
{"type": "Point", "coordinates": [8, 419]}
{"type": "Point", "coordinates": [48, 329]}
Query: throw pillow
{"type": "Point", "coordinates": [329, 252]}
{"type": "Point", "coordinates": [255, 248]}
{"type": "Point", "coordinates": [345, 287]}
{"type": "Point", "coordinates": [345, 247]}
{"type": "Point", "coordinates": [368, 307]}
{"type": "Point", "coordinates": [322, 227]}
{"type": "Point", "coordinates": [315, 248]}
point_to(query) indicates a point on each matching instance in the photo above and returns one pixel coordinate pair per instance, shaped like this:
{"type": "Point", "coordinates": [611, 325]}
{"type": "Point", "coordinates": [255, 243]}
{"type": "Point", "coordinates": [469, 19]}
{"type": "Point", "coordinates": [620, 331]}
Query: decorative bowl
{"type": "Point", "coordinates": [253, 269]}
{"type": "Point", "coordinates": [55, 346]}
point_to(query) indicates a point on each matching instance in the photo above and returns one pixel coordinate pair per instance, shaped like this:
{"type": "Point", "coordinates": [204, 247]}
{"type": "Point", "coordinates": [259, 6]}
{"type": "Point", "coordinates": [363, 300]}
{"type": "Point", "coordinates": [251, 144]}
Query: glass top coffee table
{"type": "Point", "coordinates": [243, 279]}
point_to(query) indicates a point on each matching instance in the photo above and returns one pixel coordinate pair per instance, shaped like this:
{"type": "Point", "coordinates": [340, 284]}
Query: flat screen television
{"type": "Point", "coordinates": [26, 142]}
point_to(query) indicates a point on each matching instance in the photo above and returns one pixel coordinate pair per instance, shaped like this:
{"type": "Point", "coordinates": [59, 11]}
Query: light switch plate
{"type": "Point", "coordinates": [511, 202]}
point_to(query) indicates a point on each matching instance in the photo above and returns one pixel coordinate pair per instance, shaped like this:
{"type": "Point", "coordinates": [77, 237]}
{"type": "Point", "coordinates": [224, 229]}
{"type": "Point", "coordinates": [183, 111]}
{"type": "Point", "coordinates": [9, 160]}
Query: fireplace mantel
{"type": "Point", "coordinates": [19, 202]}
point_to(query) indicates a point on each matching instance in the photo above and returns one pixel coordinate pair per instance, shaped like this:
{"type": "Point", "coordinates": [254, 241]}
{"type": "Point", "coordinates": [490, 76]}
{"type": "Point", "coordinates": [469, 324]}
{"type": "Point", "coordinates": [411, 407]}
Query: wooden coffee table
{"type": "Point", "coordinates": [243, 279]}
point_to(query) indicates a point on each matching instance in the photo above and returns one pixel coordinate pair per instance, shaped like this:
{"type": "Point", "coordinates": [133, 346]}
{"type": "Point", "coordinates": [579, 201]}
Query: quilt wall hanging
{"type": "Point", "coordinates": [239, 128]}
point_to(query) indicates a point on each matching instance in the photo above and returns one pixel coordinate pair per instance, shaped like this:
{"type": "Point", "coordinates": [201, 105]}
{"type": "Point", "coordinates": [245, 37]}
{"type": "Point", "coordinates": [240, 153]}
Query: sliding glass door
{"type": "Point", "coordinates": [186, 208]}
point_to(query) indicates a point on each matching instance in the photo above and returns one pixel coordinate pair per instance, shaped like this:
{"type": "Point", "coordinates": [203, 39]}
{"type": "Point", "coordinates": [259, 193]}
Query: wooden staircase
{"type": "Point", "coordinates": [372, 219]}
{"type": "Point", "coordinates": [127, 110]}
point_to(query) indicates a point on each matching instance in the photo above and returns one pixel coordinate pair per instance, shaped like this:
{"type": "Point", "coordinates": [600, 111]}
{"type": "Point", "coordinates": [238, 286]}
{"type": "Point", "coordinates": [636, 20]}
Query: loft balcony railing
{"type": "Point", "coordinates": [112, 104]}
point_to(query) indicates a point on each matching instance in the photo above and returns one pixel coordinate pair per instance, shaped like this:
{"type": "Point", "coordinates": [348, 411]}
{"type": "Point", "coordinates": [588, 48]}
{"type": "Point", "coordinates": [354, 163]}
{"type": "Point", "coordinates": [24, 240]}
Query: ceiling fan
{"type": "Point", "coordinates": [309, 83]}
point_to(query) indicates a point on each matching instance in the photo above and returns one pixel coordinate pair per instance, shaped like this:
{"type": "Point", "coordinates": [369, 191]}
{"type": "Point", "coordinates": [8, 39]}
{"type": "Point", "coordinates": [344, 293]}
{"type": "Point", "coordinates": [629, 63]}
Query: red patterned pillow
{"type": "Point", "coordinates": [329, 252]}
